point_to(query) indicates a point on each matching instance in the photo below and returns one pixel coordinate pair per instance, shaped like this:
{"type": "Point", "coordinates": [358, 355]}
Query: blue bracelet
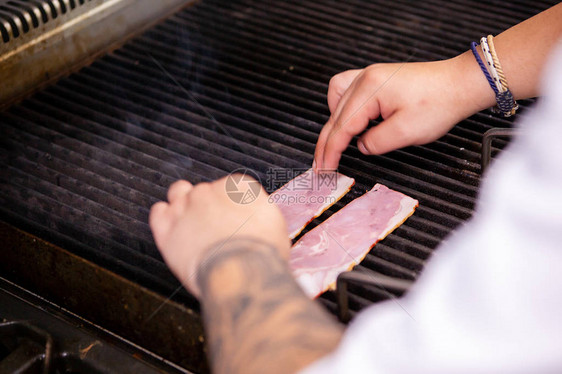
{"type": "Point", "coordinates": [483, 67]}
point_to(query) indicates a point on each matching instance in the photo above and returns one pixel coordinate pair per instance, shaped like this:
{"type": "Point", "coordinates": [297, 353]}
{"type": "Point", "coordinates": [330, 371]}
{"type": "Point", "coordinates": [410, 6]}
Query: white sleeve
{"type": "Point", "coordinates": [490, 299]}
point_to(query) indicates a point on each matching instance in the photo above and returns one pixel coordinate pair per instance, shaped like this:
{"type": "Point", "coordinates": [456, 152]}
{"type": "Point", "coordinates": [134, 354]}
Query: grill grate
{"type": "Point", "coordinates": [18, 17]}
{"type": "Point", "coordinates": [224, 85]}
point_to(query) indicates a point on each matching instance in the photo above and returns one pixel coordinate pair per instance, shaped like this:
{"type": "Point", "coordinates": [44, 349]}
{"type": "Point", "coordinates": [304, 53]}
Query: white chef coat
{"type": "Point", "coordinates": [490, 299]}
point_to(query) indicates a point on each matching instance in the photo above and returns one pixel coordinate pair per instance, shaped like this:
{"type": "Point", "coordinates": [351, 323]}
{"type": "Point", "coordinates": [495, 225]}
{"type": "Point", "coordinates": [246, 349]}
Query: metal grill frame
{"type": "Point", "coordinates": [223, 85]}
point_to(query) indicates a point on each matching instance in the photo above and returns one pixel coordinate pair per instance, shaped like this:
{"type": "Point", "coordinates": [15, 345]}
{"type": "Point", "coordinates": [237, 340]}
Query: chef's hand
{"type": "Point", "coordinates": [419, 103]}
{"type": "Point", "coordinates": [197, 219]}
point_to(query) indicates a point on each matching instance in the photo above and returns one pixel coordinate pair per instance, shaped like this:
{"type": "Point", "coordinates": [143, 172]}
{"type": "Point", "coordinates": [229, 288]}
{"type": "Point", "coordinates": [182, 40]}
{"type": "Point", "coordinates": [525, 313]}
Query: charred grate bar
{"type": "Point", "coordinates": [225, 85]}
{"type": "Point", "coordinates": [18, 17]}
{"type": "Point", "coordinates": [42, 40]}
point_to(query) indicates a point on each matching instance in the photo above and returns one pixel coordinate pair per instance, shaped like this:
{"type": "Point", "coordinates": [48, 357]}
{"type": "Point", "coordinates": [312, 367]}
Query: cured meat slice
{"type": "Point", "coordinates": [308, 195]}
{"type": "Point", "coordinates": [343, 240]}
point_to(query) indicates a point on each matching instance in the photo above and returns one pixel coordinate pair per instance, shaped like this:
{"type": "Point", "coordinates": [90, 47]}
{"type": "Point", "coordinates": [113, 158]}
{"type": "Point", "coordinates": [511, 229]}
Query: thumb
{"type": "Point", "coordinates": [389, 135]}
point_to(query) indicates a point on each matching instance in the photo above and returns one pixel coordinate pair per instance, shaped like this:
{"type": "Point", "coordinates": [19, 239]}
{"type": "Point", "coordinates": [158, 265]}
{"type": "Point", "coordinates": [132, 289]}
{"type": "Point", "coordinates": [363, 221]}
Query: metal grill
{"type": "Point", "coordinates": [230, 84]}
{"type": "Point", "coordinates": [18, 17]}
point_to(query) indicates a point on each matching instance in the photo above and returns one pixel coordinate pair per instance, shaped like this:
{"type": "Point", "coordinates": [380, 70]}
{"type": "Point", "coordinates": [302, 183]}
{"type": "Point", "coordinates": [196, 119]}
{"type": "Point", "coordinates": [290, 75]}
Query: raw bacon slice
{"type": "Point", "coordinates": [308, 195]}
{"type": "Point", "coordinates": [343, 240]}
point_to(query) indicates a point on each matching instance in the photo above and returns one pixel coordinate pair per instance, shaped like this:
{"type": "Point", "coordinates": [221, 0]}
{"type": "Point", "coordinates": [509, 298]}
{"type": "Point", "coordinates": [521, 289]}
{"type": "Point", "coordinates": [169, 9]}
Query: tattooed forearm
{"type": "Point", "coordinates": [256, 317]}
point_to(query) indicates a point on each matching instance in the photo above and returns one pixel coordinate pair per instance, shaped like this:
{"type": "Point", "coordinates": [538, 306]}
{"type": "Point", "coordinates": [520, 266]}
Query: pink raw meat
{"type": "Point", "coordinates": [343, 240]}
{"type": "Point", "coordinates": [308, 195]}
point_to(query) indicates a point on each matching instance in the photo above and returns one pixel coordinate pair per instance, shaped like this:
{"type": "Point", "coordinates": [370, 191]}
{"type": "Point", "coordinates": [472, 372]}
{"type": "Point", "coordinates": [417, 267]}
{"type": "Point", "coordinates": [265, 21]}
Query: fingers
{"type": "Point", "coordinates": [161, 214]}
{"type": "Point", "coordinates": [160, 222]}
{"type": "Point", "coordinates": [387, 136]}
{"type": "Point", "coordinates": [328, 130]}
{"type": "Point", "coordinates": [339, 85]}
{"type": "Point", "coordinates": [179, 189]}
{"type": "Point", "coordinates": [355, 115]}
{"type": "Point", "coordinates": [321, 144]}
{"type": "Point", "coordinates": [355, 108]}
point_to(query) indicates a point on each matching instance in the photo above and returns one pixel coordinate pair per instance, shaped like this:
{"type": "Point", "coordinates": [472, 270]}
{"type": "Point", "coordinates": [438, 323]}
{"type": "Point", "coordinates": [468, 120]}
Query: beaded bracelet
{"type": "Point", "coordinates": [506, 104]}
{"type": "Point", "coordinates": [509, 100]}
{"type": "Point", "coordinates": [490, 63]}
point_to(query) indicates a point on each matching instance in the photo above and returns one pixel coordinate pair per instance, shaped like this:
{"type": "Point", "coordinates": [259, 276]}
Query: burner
{"type": "Point", "coordinates": [38, 337]}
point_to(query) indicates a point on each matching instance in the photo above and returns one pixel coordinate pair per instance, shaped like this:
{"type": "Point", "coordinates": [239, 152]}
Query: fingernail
{"type": "Point", "coordinates": [314, 165]}
{"type": "Point", "coordinates": [362, 148]}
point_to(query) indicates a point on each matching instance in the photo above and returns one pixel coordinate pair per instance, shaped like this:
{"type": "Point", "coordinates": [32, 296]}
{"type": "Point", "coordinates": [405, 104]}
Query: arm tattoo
{"type": "Point", "coordinates": [257, 319]}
